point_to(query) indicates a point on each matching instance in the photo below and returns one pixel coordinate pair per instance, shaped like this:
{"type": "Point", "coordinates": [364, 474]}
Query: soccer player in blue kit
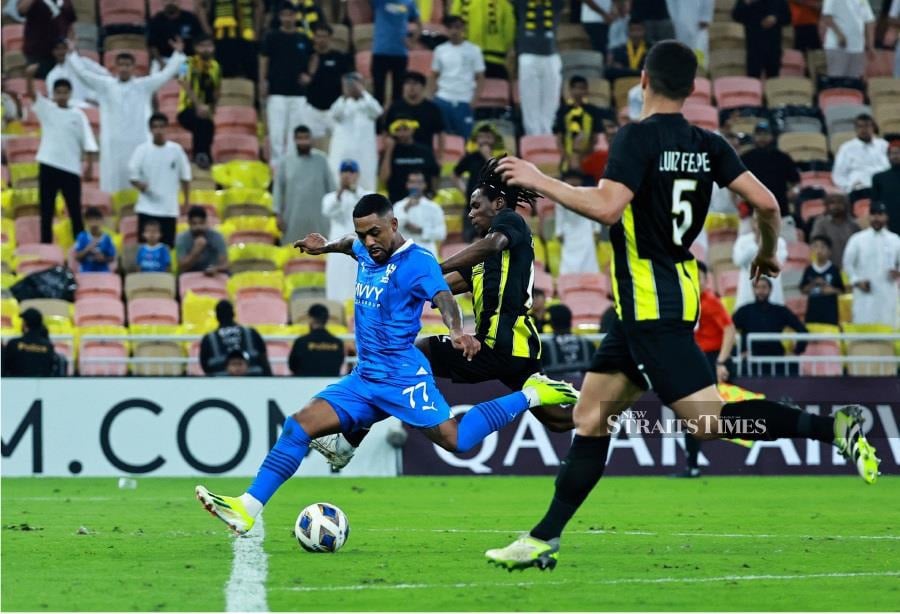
{"type": "Point", "coordinates": [394, 279]}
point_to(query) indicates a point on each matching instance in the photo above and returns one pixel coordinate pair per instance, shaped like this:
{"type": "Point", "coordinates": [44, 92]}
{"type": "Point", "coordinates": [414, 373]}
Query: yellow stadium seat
{"type": "Point", "coordinates": [6, 197]}
{"type": "Point", "coordinates": [255, 257]}
{"type": "Point", "coordinates": [23, 174]}
{"type": "Point", "coordinates": [554, 253]}
{"type": "Point", "coordinates": [157, 349]}
{"type": "Point", "coordinates": [213, 198]}
{"type": "Point", "coordinates": [454, 224]}
{"type": "Point", "coordinates": [9, 311]}
{"type": "Point", "coordinates": [25, 201]}
{"type": "Point", "coordinates": [604, 254]}
{"type": "Point", "coordinates": [251, 228]}
{"type": "Point", "coordinates": [251, 283]}
{"type": "Point", "coordinates": [450, 197]}
{"type": "Point", "coordinates": [246, 201]}
{"type": "Point", "coordinates": [7, 280]}
{"type": "Point", "coordinates": [8, 230]}
{"type": "Point", "coordinates": [242, 174]}
{"type": "Point", "coordinates": [123, 202]}
{"type": "Point", "coordinates": [62, 234]}
{"type": "Point", "coordinates": [292, 330]}
{"type": "Point", "coordinates": [540, 252]}
{"type": "Point", "coordinates": [721, 221]}
{"type": "Point", "coordinates": [304, 282]}
{"type": "Point", "coordinates": [198, 313]}
{"type": "Point", "coordinates": [823, 329]}
{"type": "Point", "coordinates": [845, 308]}
{"type": "Point", "coordinates": [7, 260]}
{"type": "Point", "coordinates": [728, 302]}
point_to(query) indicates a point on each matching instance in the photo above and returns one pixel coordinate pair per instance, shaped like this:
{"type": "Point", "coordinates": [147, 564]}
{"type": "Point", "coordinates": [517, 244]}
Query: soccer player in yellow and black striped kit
{"type": "Point", "coordinates": [655, 196]}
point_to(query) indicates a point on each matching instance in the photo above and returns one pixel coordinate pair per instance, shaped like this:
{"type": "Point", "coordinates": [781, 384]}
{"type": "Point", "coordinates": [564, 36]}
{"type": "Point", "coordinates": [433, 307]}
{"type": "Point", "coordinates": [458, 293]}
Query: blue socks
{"type": "Point", "coordinates": [485, 418]}
{"type": "Point", "coordinates": [281, 462]}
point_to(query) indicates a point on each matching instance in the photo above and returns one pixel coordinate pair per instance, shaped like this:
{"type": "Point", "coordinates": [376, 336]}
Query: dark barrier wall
{"type": "Point", "coordinates": [526, 448]}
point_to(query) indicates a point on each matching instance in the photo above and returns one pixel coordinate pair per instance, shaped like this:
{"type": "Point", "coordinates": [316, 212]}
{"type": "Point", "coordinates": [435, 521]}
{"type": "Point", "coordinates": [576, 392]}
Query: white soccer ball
{"type": "Point", "coordinates": [322, 527]}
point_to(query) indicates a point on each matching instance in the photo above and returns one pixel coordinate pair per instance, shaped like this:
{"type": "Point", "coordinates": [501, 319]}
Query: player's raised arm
{"type": "Point", "coordinates": [477, 252]}
{"type": "Point", "coordinates": [768, 216]}
{"type": "Point", "coordinates": [603, 203]}
{"type": "Point", "coordinates": [452, 315]}
{"type": "Point", "coordinates": [315, 244]}
{"type": "Point", "coordinates": [458, 284]}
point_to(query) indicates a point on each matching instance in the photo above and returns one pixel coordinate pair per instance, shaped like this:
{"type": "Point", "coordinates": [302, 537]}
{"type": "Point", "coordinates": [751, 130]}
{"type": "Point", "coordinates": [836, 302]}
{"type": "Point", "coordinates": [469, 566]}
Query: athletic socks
{"type": "Point", "coordinates": [485, 418]}
{"type": "Point", "coordinates": [281, 462]}
{"type": "Point", "coordinates": [691, 450]}
{"type": "Point", "coordinates": [578, 475]}
{"type": "Point", "coordinates": [773, 420]}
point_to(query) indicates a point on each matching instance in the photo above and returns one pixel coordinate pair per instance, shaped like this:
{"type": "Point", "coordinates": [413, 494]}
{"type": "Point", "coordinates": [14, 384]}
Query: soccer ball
{"type": "Point", "coordinates": [321, 527]}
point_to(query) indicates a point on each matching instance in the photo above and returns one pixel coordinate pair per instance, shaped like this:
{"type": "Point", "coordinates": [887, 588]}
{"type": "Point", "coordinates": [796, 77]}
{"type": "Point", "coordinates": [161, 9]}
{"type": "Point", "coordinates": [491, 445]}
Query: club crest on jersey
{"type": "Point", "coordinates": [387, 273]}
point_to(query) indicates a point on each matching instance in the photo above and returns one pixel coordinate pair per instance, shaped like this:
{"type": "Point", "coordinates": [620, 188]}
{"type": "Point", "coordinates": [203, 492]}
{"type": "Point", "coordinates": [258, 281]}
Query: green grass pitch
{"type": "Point", "coordinates": [746, 543]}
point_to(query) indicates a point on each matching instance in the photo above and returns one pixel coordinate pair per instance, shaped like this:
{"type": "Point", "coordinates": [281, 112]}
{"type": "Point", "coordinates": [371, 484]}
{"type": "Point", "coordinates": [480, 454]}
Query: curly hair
{"type": "Point", "coordinates": [491, 183]}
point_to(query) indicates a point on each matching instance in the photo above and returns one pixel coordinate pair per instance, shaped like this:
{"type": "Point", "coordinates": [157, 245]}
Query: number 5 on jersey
{"type": "Point", "coordinates": [682, 207]}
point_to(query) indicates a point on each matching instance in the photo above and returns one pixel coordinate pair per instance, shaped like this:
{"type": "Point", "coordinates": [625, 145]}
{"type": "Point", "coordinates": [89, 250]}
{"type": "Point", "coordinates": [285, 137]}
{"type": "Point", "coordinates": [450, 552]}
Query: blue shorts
{"type": "Point", "coordinates": [360, 402]}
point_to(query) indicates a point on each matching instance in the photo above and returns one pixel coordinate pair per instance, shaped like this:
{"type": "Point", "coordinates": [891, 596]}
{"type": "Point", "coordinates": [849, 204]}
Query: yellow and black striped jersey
{"type": "Point", "coordinates": [501, 287]}
{"type": "Point", "coordinates": [670, 166]}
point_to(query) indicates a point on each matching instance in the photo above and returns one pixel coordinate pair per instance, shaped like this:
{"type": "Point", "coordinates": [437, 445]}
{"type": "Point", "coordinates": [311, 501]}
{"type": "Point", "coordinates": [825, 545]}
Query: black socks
{"type": "Point", "coordinates": [771, 420]}
{"type": "Point", "coordinates": [578, 475]}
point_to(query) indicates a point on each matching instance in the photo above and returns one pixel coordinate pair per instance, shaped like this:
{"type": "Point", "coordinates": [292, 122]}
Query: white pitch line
{"type": "Point", "coordinates": [668, 580]}
{"type": "Point", "coordinates": [637, 533]}
{"type": "Point", "coordinates": [246, 588]}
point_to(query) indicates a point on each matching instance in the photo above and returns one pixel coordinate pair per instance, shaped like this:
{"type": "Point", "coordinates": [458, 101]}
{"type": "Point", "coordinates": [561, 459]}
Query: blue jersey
{"type": "Point", "coordinates": [388, 310]}
{"type": "Point", "coordinates": [153, 259]}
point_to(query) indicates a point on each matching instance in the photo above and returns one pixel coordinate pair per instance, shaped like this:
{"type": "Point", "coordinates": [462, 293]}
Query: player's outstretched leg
{"type": "Point", "coordinates": [338, 449]}
{"type": "Point", "coordinates": [239, 513]}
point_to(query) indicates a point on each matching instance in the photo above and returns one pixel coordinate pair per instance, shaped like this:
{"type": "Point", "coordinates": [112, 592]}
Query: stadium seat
{"type": "Point", "coordinates": [727, 281]}
{"type": "Point", "coordinates": [494, 94]}
{"type": "Point", "coordinates": [37, 257]}
{"type": "Point", "coordinates": [837, 96]}
{"type": "Point", "coordinates": [49, 307]}
{"type": "Point", "coordinates": [543, 281]}
{"type": "Point", "coordinates": [254, 257]}
{"type": "Point", "coordinates": [171, 352]}
{"type": "Point", "coordinates": [340, 37]}
{"type": "Point", "coordinates": [815, 178]}
{"type": "Point", "coordinates": [245, 201]}
{"type": "Point", "coordinates": [99, 311]}
{"type": "Point", "coordinates": [804, 147]}
{"type": "Point", "coordinates": [621, 87]}
{"type": "Point", "coordinates": [797, 305]}
{"type": "Point", "coordinates": [587, 307]}
{"type": "Point", "coordinates": [149, 285]}
{"type": "Point", "coordinates": [419, 60]}
{"type": "Point", "coordinates": [13, 36]}
{"type": "Point", "coordinates": [836, 139]}
{"type": "Point", "coordinates": [236, 120]}
{"type": "Point", "coordinates": [153, 311]}
{"type": "Point", "coordinates": [263, 309]}
{"type": "Point", "coordinates": [21, 148]}
{"type": "Point", "coordinates": [252, 174]}
{"type": "Point", "coordinates": [122, 12]}
{"type": "Point", "coordinates": [363, 60]}
{"type": "Point", "coordinates": [887, 116]}
{"type": "Point", "coordinates": [704, 116]}
{"type": "Point", "coordinates": [541, 150]}
{"type": "Point", "coordinates": [250, 229]}
{"type": "Point", "coordinates": [94, 197]}
{"type": "Point", "coordinates": [882, 65]}
{"type": "Point", "coordinates": [782, 91]}
{"type": "Point", "coordinates": [306, 283]}
{"type": "Point", "coordinates": [91, 355]}
{"type": "Point", "coordinates": [798, 253]}
{"type": "Point", "coordinates": [250, 284]}
{"type": "Point", "coordinates": [454, 149]}
{"type": "Point", "coordinates": [793, 63]}
{"type": "Point", "coordinates": [702, 92]}
{"type": "Point", "coordinates": [883, 89]}
{"type": "Point", "coordinates": [726, 35]}
{"type": "Point", "coordinates": [578, 282]}
{"type": "Point", "coordinates": [359, 12]}
{"type": "Point", "coordinates": [737, 92]}
{"type": "Point", "coordinates": [237, 92]}
{"type": "Point", "coordinates": [203, 284]}
{"type": "Point", "coordinates": [300, 308]}
{"type": "Point", "coordinates": [235, 147]}
{"type": "Point", "coordinates": [842, 117]}
{"type": "Point", "coordinates": [278, 352]}
{"type": "Point", "coordinates": [571, 36]}
{"type": "Point", "coordinates": [728, 63]}
{"type": "Point", "coordinates": [362, 35]}
{"type": "Point", "coordinates": [98, 284]}
{"type": "Point", "coordinates": [27, 229]}
{"type": "Point", "coordinates": [303, 264]}
{"type": "Point", "coordinates": [825, 369]}
{"type": "Point", "coordinates": [584, 62]}
{"type": "Point", "coordinates": [128, 229]}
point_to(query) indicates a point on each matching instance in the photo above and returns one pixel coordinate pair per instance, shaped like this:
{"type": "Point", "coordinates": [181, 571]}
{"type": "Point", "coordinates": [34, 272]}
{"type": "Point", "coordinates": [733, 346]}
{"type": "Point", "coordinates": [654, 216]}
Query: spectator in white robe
{"type": "Point", "coordinates": [872, 261]}
{"type": "Point", "coordinates": [353, 134]}
{"type": "Point", "coordinates": [337, 207]}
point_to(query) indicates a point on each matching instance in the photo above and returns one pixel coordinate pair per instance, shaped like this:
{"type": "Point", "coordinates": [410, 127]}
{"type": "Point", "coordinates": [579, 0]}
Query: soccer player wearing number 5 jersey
{"type": "Point", "coordinates": [655, 196]}
{"type": "Point", "coordinates": [395, 277]}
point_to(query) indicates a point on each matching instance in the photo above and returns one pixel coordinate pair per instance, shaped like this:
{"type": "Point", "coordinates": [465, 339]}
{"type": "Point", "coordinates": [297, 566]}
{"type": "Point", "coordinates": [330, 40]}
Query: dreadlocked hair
{"type": "Point", "coordinates": [491, 183]}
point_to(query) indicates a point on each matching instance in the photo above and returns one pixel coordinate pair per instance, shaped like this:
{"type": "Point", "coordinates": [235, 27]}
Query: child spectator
{"type": "Point", "coordinates": [153, 256]}
{"type": "Point", "coordinates": [822, 283]}
{"type": "Point", "coordinates": [94, 248]}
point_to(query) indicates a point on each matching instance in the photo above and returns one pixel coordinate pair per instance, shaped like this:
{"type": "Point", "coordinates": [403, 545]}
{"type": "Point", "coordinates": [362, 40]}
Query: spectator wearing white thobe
{"type": "Point", "coordinates": [352, 117]}
{"type": "Point", "coordinates": [419, 218]}
{"type": "Point", "coordinates": [872, 261]}
{"type": "Point", "coordinates": [859, 159]}
{"type": "Point", "coordinates": [849, 35]}
{"type": "Point", "coordinates": [337, 207]}
{"type": "Point", "coordinates": [124, 111]}
{"type": "Point", "coordinates": [691, 19]}
{"type": "Point", "coordinates": [744, 251]}
{"type": "Point", "coordinates": [578, 235]}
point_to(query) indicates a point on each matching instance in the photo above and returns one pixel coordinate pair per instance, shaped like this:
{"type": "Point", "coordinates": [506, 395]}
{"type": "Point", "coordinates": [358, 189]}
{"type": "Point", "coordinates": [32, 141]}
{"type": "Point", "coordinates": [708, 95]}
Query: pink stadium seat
{"type": "Point", "coordinates": [702, 92]}
{"type": "Point", "coordinates": [94, 197]}
{"type": "Point", "coordinates": [93, 115]}
{"type": "Point", "coordinates": [108, 285]}
{"type": "Point", "coordinates": [153, 311]}
{"type": "Point", "coordinates": [448, 249]}
{"type": "Point", "coordinates": [364, 62]}
{"type": "Point", "coordinates": [579, 282]}
{"type": "Point", "coordinates": [64, 348]}
{"type": "Point", "coordinates": [236, 120]}
{"type": "Point", "coordinates": [727, 282]}
{"type": "Point", "coordinates": [826, 369]}
{"type": "Point", "coordinates": [13, 36]}
{"type": "Point", "coordinates": [21, 148]}
{"type": "Point", "coordinates": [169, 93]}
{"type": "Point", "coordinates": [194, 368]}
{"type": "Point", "coordinates": [359, 11]}
{"type": "Point", "coordinates": [28, 229]}
{"type": "Point", "coordinates": [813, 178]}
{"type": "Point", "coordinates": [262, 310]}
{"type": "Point", "coordinates": [141, 60]}
{"type": "Point", "coordinates": [811, 208]}
{"type": "Point", "coordinates": [302, 265]}
{"type": "Point", "coordinates": [122, 12]}
{"type": "Point", "coordinates": [882, 65]}
{"type": "Point", "coordinates": [860, 210]}
{"type": "Point", "coordinates": [156, 6]}
{"type": "Point", "coordinates": [200, 283]}
{"type": "Point", "coordinates": [797, 304]}
{"type": "Point", "coordinates": [420, 60]}
{"type": "Point", "coordinates": [37, 257]}
{"type": "Point", "coordinates": [702, 115]}
{"type": "Point", "coordinates": [99, 311]}
{"type": "Point", "coordinates": [128, 228]}
{"type": "Point", "coordinates": [738, 92]}
{"type": "Point", "coordinates": [235, 147]}
{"type": "Point", "coordinates": [454, 148]}
{"type": "Point", "coordinates": [250, 236]}
{"type": "Point", "coordinates": [539, 149]}
{"type": "Point", "coordinates": [94, 350]}
{"type": "Point", "coordinates": [798, 252]}
{"type": "Point", "coordinates": [587, 306]}
{"type": "Point", "coordinates": [793, 63]}
{"type": "Point", "coordinates": [546, 208]}
{"type": "Point", "coordinates": [543, 281]}
{"type": "Point", "coordinates": [494, 94]}
{"type": "Point", "coordinates": [839, 95]}
{"type": "Point", "coordinates": [181, 136]}
{"type": "Point", "coordinates": [279, 350]}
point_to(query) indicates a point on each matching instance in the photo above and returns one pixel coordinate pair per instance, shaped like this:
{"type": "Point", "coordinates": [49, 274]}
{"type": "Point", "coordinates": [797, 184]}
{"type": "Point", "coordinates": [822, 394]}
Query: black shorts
{"type": "Point", "coordinates": [487, 365]}
{"type": "Point", "coordinates": [660, 355]}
